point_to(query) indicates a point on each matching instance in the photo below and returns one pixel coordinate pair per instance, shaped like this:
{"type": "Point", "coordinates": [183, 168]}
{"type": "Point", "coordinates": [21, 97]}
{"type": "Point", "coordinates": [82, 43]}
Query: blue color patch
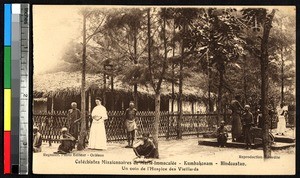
{"type": "Point", "coordinates": [7, 24]}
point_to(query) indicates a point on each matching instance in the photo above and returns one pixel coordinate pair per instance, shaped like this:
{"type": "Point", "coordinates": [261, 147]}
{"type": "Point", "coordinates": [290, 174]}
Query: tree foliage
{"type": "Point", "coordinates": [222, 45]}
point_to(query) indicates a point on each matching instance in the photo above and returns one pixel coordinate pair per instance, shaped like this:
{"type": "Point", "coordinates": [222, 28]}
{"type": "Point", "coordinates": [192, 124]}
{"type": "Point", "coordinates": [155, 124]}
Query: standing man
{"type": "Point", "coordinates": [130, 124]}
{"type": "Point", "coordinates": [247, 124]}
{"type": "Point", "coordinates": [253, 109]}
{"type": "Point", "coordinates": [236, 108]}
{"type": "Point", "coordinates": [74, 117]}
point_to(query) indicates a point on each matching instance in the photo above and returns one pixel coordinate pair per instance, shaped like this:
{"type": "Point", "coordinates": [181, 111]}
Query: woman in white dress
{"type": "Point", "coordinates": [281, 125]}
{"type": "Point", "coordinates": [97, 139]}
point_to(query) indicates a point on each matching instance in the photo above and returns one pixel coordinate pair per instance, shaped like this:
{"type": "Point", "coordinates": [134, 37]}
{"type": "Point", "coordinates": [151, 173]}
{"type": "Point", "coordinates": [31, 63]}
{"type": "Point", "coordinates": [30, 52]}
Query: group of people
{"type": "Point", "coordinates": [244, 125]}
{"type": "Point", "coordinates": [244, 118]}
{"type": "Point", "coordinates": [97, 134]}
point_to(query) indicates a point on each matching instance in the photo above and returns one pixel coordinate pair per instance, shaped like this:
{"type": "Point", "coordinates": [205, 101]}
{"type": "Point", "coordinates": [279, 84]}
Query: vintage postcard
{"type": "Point", "coordinates": [162, 90]}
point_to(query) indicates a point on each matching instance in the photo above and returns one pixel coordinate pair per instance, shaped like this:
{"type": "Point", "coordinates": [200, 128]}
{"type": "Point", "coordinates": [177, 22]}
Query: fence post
{"type": "Point", "coordinates": [168, 126]}
{"type": "Point", "coordinates": [51, 118]}
{"type": "Point", "coordinates": [197, 120]}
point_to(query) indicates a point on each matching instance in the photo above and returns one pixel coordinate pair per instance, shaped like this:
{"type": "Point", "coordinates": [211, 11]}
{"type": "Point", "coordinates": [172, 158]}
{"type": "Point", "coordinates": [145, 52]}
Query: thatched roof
{"type": "Point", "coordinates": [69, 83]}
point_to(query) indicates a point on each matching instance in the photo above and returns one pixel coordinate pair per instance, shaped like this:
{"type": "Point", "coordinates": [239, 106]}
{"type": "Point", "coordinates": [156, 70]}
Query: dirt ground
{"type": "Point", "coordinates": [178, 151]}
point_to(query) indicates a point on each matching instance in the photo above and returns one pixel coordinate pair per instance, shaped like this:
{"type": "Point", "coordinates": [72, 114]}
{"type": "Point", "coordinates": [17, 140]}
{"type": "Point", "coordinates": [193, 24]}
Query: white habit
{"type": "Point", "coordinates": [281, 125]}
{"type": "Point", "coordinates": [97, 139]}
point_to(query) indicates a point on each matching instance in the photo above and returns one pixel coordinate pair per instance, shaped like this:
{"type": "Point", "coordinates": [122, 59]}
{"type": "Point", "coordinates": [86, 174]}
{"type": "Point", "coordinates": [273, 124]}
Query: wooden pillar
{"type": "Point", "coordinates": [52, 104]}
{"type": "Point", "coordinates": [112, 94]}
{"type": "Point", "coordinates": [192, 107]}
{"type": "Point", "coordinates": [104, 90]}
{"type": "Point", "coordinates": [90, 101]}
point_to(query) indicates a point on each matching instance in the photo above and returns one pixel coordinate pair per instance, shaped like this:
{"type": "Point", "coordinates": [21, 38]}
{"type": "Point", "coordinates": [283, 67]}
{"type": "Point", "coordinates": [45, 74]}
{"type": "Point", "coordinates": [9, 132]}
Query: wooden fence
{"type": "Point", "coordinates": [50, 124]}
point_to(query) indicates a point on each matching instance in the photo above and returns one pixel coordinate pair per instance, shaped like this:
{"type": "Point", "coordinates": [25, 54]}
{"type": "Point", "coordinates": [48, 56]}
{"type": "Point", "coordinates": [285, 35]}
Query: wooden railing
{"type": "Point", "coordinates": [50, 124]}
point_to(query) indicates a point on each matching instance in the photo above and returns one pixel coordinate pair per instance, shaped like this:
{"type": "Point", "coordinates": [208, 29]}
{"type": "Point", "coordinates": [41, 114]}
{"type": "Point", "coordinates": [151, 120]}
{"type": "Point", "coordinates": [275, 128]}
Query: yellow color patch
{"type": "Point", "coordinates": [7, 109]}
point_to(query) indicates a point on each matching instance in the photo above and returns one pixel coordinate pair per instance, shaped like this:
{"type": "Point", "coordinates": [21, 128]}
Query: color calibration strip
{"type": "Point", "coordinates": [16, 88]}
{"type": "Point", "coordinates": [7, 88]}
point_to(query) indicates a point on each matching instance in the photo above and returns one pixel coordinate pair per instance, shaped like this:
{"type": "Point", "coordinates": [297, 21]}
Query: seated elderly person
{"type": "Point", "coordinates": [147, 149]}
{"type": "Point", "coordinates": [222, 135]}
{"type": "Point", "coordinates": [37, 140]}
{"type": "Point", "coordinates": [67, 142]}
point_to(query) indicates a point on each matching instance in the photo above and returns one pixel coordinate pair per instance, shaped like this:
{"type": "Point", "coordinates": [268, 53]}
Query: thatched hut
{"type": "Point", "coordinates": [55, 91]}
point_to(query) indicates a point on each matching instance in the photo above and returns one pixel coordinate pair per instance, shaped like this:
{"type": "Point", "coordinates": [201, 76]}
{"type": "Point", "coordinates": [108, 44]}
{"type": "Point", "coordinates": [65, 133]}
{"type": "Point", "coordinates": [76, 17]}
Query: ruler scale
{"type": "Point", "coordinates": [24, 91]}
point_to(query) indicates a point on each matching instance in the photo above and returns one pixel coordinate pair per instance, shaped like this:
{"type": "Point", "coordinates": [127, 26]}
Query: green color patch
{"type": "Point", "coordinates": [7, 67]}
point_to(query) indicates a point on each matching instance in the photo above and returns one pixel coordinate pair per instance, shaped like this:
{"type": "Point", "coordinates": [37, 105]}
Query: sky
{"type": "Point", "coordinates": [54, 26]}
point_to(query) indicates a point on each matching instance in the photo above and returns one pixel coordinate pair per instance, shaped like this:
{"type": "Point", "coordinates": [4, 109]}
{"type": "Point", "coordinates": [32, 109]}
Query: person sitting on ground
{"type": "Point", "coordinates": [37, 140]}
{"type": "Point", "coordinates": [222, 135]}
{"type": "Point", "coordinates": [67, 142]}
{"type": "Point", "coordinates": [147, 149]}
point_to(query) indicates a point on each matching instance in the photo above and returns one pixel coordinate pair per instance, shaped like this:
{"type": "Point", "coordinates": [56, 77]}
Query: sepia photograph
{"type": "Point", "coordinates": [164, 90]}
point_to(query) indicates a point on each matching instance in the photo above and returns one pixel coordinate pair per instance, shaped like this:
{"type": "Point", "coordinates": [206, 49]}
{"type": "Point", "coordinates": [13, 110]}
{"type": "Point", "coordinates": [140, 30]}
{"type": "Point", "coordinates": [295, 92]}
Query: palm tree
{"type": "Point", "coordinates": [124, 33]}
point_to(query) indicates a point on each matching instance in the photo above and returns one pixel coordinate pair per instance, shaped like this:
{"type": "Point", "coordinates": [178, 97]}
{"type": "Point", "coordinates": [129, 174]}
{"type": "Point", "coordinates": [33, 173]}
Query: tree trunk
{"type": "Point", "coordinates": [265, 117]}
{"type": "Point", "coordinates": [219, 109]}
{"type": "Point", "coordinates": [52, 113]}
{"type": "Point", "coordinates": [135, 63]}
{"type": "Point", "coordinates": [104, 89]}
{"type": "Point", "coordinates": [173, 70]}
{"type": "Point", "coordinates": [81, 142]}
{"type": "Point", "coordinates": [90, 102]}
{"type": "Point", "coordinates": [210, 107]}
{"type": "Point", "coordinates": [112, 93]}
{"type": "Point", "coordinates": [245, 80]}
{"type": "Point", "coordinates": [282, 77]}
{"type": "Point", "coordinates": [52, 104]}
{"type": "Point", "coordinates": [264, 61]}
{"type": "Point", "coordinates": [179, 131]}
{"type": "Point", "coordinates": [156, 122]}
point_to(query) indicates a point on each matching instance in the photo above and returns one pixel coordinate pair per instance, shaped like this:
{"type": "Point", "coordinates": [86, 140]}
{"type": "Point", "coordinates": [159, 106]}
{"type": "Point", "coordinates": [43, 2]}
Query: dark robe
{"type": "Point", "coordinates": [74, 119]}
{"type": "Point", "coordinates": [247, 124]}
{"type": "Point", "coordinates": [37, 142]}
{"type": "Point", "coordinates": [236, 119]}
{"type": "Point", "coordinates": [67, 143]}
{"type": "Point", "coordinates": [273, 117]}
{"type": "Point", "coordinates": [147, 149]}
